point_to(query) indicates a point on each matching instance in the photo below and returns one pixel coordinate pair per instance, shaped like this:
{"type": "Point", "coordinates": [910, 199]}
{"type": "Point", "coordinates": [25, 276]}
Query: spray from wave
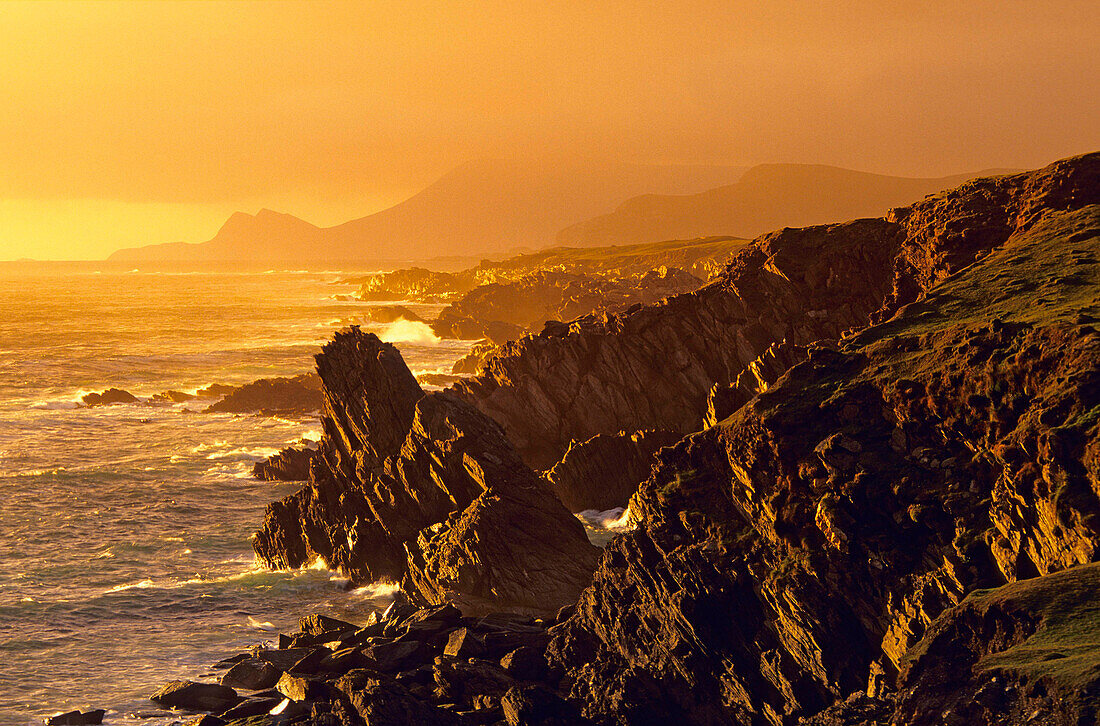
{"type": "Point", "coordinates": [408, 331]}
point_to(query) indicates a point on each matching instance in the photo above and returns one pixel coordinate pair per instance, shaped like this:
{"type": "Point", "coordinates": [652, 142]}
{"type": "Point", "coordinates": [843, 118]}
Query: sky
{"type": "Point", "coordinates": [137, 123]}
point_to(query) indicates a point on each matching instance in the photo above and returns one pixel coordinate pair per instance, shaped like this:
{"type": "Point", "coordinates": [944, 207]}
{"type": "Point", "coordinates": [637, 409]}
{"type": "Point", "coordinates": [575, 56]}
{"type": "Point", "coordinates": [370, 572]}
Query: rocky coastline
{"type": "Point", "coordinates": [862, 466]}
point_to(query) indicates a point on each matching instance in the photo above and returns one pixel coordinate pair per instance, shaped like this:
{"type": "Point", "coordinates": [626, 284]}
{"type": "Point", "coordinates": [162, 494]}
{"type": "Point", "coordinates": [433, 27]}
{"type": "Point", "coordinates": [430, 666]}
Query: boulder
{"type": "Point", "coordinates": [76, 718]}
{"type": "Point", "coordinates": [382, 701]}
{"type": "Point", "coordinates": [193, 696]}
{"type": "Point", "coordinates": [252, 674]}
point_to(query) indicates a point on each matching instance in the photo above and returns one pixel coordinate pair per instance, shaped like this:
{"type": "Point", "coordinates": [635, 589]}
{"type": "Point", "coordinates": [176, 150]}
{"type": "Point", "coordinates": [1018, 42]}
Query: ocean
{"type": "Point", "coordinates": [125, 558]}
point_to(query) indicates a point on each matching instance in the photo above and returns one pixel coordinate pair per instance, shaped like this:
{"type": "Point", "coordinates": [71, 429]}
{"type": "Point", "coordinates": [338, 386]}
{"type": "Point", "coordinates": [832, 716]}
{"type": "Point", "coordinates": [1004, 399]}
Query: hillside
{"type": "Point", "coordinates": [480, 207]}
{"type": "Point", "coordinates": [767, 197]}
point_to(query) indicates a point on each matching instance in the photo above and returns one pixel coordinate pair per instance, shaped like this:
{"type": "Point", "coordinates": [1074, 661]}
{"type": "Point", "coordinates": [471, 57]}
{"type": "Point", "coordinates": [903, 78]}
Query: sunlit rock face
{"type": "Point", "coordinates": [426, 490]}
{"type": "Point", "coordinates": [795, 552]}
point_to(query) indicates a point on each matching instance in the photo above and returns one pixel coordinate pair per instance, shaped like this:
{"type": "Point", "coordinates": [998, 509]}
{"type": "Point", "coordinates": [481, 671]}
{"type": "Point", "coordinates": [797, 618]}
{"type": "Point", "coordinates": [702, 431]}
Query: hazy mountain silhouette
{"type": "Point", "coordinates": [767, 197]}
{"type": "Point", "coordinates": [480, 207]}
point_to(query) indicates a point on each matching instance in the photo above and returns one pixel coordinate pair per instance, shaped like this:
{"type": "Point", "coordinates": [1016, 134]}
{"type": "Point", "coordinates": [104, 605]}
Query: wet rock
{"type": "Point", "coordinates": [283, 659]}
{"type": "Point", "coordinates": [196, 696]}
{"type": "Point", "coordinates": [252, 674]}
{"type": "Point", "coordinates": [76, 718]}
{"type": "Point", "coordinates": [215, 390]}
{"type": "Point", "coordinates": [173, 397]}
{"type": "Point", "coordinates": [206, 720]}
{"type": "Point", "coordinates": [108, 397]}
{"type": "Point", "coordinates": [424, 488]}
{"type": "Point", "coordinates": [290, 464]}
{"type": "Point", "coordinates": [251, 707]}
{"type": "Point", "coordinates": [394, 656]}
{"type": "Point", "coordinates": [392, 313]}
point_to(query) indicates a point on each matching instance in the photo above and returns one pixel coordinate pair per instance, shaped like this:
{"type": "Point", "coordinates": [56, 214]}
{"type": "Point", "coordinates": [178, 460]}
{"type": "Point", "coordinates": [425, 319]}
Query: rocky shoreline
{"type": "Point", "coordinates": [891, 514]}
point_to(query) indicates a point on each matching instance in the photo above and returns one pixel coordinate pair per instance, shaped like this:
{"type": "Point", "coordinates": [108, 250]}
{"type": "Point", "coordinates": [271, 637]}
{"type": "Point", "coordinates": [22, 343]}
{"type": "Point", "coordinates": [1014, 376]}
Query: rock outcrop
{"type": "Point", "coordinates": [604, 472]}
{"type": "Point", "coordinates": [795, 553]}
{"type": "Point", "coordinates": [108, 397]}
{"type": "Point", "coordinates": [426, 490]}
{"type": "Point", "coordinates": [290, 464]}
{"type": "Point", "coordinates": [295, 395]}
{"type": "Point", "coordinates": [653, 367]}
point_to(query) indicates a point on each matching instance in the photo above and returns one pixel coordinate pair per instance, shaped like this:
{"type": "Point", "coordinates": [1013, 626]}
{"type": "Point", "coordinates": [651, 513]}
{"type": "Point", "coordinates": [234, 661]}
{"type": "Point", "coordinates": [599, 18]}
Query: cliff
{"type": "Point", "coordinates": [424, 490]}
{"type": "Point", "coordinates": [794, 553]}
{"type": "Point", "coordinates": [653, 367]}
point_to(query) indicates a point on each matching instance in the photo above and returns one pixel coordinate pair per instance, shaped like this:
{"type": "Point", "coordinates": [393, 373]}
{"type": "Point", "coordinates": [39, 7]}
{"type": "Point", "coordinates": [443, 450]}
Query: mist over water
{"type": "Point", "coordinates": [125, 558]}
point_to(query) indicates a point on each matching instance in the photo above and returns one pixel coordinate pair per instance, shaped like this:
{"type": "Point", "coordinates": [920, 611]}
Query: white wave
{"type": "Point", "coordinates": [376, 590]}
{"type": "Point", "coordinates": [142, 585]}
{"type": "Point", "coordinates": [258, 625]}
{"type": "Point", "coordinates": [207, 447]}
{"type": "Point", "coordinates": [408, 331]}
{"type": "Point", "coordinates": [260, 453]}
{"type": "Point", "coordinates": [613, 520]}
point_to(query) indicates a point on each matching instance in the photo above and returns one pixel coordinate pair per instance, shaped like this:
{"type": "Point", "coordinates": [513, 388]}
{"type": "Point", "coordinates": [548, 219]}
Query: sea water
{"type": "Point", "coordinates": [125, 555]}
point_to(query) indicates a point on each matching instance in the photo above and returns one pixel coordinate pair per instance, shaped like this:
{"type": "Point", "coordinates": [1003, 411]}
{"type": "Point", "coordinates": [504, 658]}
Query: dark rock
{"type": "Point", "coordinates": [251, 707]}
{"type": "Point", "coordinates": [392, 313]}
{"type": "Point", "coordinates": [424, 488]}
{"type": "Point", "coordinates": [464, 644]}
{"type": "Point", "coordinates": [475, 359]}
{"type": "Point", "coordinates": [319, 624]}
{"type": "Point", "coordinates": [819, 512]}
{"type": "Point", "coordinates": [394, 656]}
{"type": "Point", "coordinates": [297, 395]}
{"type": "Point", "coordinates": [604, 472]}
{"type": "Point", "coordinates": [206, 720]}
{"type": "Point", "coordinates": [536, 705]}
{"type": "Point", "coordinates": [311, 662]}
{"type": "Point", "coordinates": [290, 464]}
{"type": "Point", "coordinates": [77, 718]}
{"type": "Point", "coordinates": [173, 397]}
{"type": "Point", "coordinates": [470, 682]}
{"type": "Point", "coordinates": [196, 696]}
{"type": "Point", "coordinates": [252, 674]}
{"type": "Point", "coordinates": [382, 701]}
{"type": "Point", "coordinates": [230, 661]}
{"type": "Point", "coordinates": [111, 395]}
{"type": "Point", "coordinates": [283, 659]}
{"type": "Point", "coordinates": [438, 380]}
{"type": "Point", "coordinates": [525, 663]}
{"type": "Point", "coordinates": [215, 390]}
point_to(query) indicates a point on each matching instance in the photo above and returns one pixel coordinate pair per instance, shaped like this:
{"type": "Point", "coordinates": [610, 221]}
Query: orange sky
{"type": "Point", "coordinates": [133, 123]}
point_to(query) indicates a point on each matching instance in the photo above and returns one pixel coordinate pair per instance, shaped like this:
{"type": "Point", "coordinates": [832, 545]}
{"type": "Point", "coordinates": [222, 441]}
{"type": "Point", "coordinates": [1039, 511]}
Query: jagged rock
{"type": "Point", "coordinates": [437, 379]}
{"type": "Point", "coordinates": [464, 644]}
{"type": "Point", "coordinates": [382, 701]}
{"type": "Point", "coordinates": [301, 687]}
{"type": "Point", "coordinates": [474, 360]}
{"type": "Point", "coordinates": [300, 394]}
{"type": "Point", "coordinates": [525, 663]}
{"type": "Point", "coordinates": [392, 313]}
{"type": "Point", "coordinates": [111, 395]}
{"type": "Point", "coordinates": [196, 696]}
{"type": "Point", "coordinates": [252, 674]}
{"type": "Point", "coordinates": [653, 367]}
{"type": "Point", "coordinates": [792, 554]}
{"type": "Point", "coordinates": [425, 488]}
{"type": "Point", "coordinates": [290, 464]}
{"type": "Point", "coordinates": [724, 399]}
{"type": "Point", "coordinates": [320, 624]}
{"type": "Point", "coordinates": [1002, 655]}
{"type": "Point", "coordinates": [604, 472]}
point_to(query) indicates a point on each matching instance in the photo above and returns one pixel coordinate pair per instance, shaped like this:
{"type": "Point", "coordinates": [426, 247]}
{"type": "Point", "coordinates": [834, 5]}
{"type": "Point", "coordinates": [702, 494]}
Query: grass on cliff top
{"type": "Point", "coordinates": [1066, 647]}
{"type": "Point", "coordinates": [1046, 276]}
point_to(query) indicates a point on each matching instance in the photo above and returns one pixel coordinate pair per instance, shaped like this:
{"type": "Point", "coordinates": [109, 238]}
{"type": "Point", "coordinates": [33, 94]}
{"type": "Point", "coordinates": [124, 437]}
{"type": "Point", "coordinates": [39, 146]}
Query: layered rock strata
{"type": "Point", "coordinates": [424, 489]}
{"type": "Point", "coordinates": [653, 367]}
{"type": "Point", "coordinates": [793, 554]}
